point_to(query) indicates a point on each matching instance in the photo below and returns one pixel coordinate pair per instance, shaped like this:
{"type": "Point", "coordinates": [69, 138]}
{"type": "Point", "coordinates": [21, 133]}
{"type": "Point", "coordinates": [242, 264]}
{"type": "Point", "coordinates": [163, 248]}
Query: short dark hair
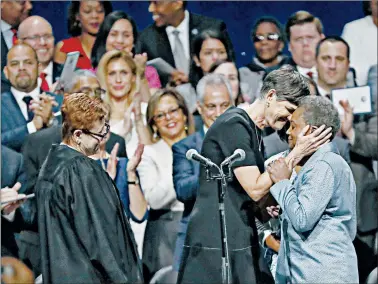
{"type": "Point", "coordinates": [99, 46]}
{"type": "Point", "coordinates": [366, 8]}
{"type": "Point", "coordinates": [319, 111]}
{"type": "Point", "coordinates": [300, 18]}
{"type": "Point", "coordinates": [73, 28]}
{"type": "Point", "coordinates": [333, 39]}
{"type": "Point", "coordinates": [289, 85]}
{"type": "Point", "coordinates": [272, 20]}
{"type": "Point", "coordinates": [196, 72]}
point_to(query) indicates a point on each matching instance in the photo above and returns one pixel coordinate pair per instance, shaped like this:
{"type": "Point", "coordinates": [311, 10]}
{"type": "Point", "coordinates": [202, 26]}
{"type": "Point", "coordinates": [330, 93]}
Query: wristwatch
{"type": "Point", "coordinates": [135, 182]}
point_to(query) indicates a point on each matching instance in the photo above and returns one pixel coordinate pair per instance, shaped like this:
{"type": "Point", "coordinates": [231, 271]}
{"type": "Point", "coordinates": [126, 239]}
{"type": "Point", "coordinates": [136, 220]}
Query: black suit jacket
{"type": "Point", "coordinates": [4, 52]}
{"type": "Point", "coordinates": [154, 40]}
{"type": "Point", "coordinates": [12, 171]}
{"type": "Point", "coordinates": [37, 146]}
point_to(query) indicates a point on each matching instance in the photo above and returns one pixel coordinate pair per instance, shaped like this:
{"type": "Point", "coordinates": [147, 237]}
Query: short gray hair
{"type": "Point", "coordinates": [212, 80]}
{"type": "Point", "coordinates": [76, 76]}
{"type": "Point", "coordinates": [289, 85]}
{"type": "Point", "coordinates": [319, 111]}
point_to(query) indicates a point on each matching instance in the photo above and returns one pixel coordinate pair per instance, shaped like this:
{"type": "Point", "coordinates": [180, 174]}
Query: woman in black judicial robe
{"type": "Point", "coordinates": [85, 236]}
{"type": "Point", "coordinates": [234, 129]}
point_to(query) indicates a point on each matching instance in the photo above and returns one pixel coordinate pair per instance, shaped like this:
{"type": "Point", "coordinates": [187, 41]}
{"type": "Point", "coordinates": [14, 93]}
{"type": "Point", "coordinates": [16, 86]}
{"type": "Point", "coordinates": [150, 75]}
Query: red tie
{"type": "Point", "coordinates": [14, 38]}
{"type": "Point", "coordinates": [309, 74]}
{"type": "Point", "coordinates": [44, 85]}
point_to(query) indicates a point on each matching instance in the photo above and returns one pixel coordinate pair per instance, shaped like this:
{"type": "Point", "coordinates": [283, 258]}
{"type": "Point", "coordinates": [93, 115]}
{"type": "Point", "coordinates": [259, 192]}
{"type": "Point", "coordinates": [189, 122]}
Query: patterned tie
{"type": "Point", "coordinates": [310, 74]}
{"type": "Point", "coordinates": [44, 85]}
{"type": "Point", "coordinates": [27, 100]}
{"type": "Point", "coordinates": [14, 38]}
{"type": "Point", "coordinates": [182, 63]}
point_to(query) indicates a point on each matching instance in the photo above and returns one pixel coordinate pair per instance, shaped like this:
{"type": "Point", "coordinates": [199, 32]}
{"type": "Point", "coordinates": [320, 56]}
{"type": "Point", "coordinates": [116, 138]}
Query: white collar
{"type": "Point", "coordinates": [205, 129]}
{"type": "Point", "coordinates": [182, 27]}
{"type": "Point", "coordinates": [49, 69]}
{"type": "Point", "coordinates": [323, 92]}
{"type": "Point", "coordinates": [5, 26]}
{"type": "Point", "coordinates": [304, 70]}
{"type": "Point", "coordinates": [19, 95]}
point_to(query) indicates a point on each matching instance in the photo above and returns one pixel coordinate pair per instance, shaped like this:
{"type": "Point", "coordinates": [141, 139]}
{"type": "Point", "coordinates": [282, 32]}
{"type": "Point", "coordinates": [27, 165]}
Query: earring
{"type": "Point", "coordinates": [267, 104]}
{"type": "Point", "coordinates": [186, 128]}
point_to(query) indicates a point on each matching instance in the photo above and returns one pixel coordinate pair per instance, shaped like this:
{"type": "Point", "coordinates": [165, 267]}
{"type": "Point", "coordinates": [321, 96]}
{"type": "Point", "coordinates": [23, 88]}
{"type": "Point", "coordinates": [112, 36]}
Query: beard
{"type": "Point", "coordinates": [23, 83]}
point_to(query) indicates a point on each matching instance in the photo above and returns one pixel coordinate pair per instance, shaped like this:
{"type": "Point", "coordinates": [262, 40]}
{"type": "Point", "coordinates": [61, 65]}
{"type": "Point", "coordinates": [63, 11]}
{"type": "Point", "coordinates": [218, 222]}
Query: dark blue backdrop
{"type": "Point", "coordinates": [238, 15]}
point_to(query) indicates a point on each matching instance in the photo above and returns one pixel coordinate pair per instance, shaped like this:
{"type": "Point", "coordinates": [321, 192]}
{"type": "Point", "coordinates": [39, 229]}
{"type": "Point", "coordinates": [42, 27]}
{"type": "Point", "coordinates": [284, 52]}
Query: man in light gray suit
{"type": "Point", "coordinates": [318, 222]}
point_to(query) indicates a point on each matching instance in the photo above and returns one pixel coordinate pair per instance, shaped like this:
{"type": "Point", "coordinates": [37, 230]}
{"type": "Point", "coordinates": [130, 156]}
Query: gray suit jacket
{"type": "Point", "coordinates": [318, 222]}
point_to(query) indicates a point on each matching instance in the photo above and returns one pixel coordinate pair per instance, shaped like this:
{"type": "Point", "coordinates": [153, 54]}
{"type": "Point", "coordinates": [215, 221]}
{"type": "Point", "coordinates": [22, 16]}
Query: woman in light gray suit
{"type": "Point", "coordinates": [318, 223]}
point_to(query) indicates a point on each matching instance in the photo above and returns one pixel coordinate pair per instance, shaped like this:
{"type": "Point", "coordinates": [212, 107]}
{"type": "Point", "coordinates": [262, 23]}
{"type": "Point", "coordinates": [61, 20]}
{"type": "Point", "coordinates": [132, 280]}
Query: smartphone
{"type": "Point", "coordinates": [18, 198]}
{"type": "Point", "coordinates": [68, 68]}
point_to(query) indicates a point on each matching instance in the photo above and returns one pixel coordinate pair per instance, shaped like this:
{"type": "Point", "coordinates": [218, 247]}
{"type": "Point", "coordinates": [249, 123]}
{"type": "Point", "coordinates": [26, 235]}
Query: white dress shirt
{"type": "Point", "coordinates": [183, 28]}
{"type": "Point", "coordinates": [304, 72]}
{"type": "Point", "coordinates": [24, 109]}
{"type": "Point", "coordinates": [49, 75]}
{"type": "Point", "coordinates": [156, 177]}
{"type": "Point", "coordinates": [7, 33]}
{"type": "Point", "coordinates": [362, 37]}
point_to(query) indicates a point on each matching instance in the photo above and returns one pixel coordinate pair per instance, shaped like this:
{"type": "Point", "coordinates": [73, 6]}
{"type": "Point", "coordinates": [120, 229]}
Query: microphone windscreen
{"type": "Point", "coordinates": [190, 153]}
{"type": "Point", "coordinates": [241, 152]}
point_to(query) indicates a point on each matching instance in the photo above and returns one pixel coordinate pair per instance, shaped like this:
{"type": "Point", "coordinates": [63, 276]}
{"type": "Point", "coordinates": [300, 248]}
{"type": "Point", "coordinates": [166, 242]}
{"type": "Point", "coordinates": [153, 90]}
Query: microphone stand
{"type": "Point", "coordinates": [222, 178]}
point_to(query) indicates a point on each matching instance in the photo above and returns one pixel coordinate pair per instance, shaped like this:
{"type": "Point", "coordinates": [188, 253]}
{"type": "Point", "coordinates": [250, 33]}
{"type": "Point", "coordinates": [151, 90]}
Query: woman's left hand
{"type": "Point", "coordinates": [135, 160]}
{"type": "Point", "coordinates": [111, 168]}
{"type": "Point", "coordinates": [140, 62]}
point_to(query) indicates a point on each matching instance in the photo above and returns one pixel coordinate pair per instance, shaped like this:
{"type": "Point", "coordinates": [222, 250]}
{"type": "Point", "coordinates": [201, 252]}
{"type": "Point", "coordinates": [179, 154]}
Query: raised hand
{"type": "Point", "coordinates": [273, 211]}
{"type": "Point", "coordinates": [347, 122]}
{"type": "Point", "coordinates": [9, 194]}
{"type": "Point", "coordinates": [140, 62]}
{"type": "Point", "coordinates": [111, 168]}
{"type": "Point", "coordinates": [135, 160]}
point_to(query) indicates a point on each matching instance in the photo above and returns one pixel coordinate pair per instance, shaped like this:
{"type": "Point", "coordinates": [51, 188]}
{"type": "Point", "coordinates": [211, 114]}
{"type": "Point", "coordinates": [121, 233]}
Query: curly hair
{"type": "Point", "coordinates": [80, 111]}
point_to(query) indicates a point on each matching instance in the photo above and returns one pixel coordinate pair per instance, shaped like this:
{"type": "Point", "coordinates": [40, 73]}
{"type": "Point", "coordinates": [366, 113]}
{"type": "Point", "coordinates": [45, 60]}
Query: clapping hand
{"type": "Point", "coordinates": [9, 194]}
{"type": "Point", "coordinates": [111, 168]}
{"type": "Point", "coordinates": [273, 211]}
{"type": "Point", "coordinates": [140, 62]}
{"type": "Point", "coordinates": [347, 122]}
{"type": "Point", "coordinates": [279, 170]}
{"type": "Point", "coordinates": [178, 78]}
{"type": "Point", "coordinates": [135, 160]}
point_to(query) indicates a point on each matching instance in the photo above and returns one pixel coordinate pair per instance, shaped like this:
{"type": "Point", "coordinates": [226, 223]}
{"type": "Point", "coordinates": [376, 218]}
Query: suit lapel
{"type": "Point", "coordinates": [163, 46]}
{"type": "Point", "coordinates": [18, 113]}
{"type": "Point", "coordinates": [57, 70]}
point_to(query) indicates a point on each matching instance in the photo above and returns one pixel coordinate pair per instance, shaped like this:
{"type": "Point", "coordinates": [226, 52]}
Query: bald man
{"type": "Point", "coordinates": [23, 109]}
{"type": "Point", "coordinates": [37, 32]}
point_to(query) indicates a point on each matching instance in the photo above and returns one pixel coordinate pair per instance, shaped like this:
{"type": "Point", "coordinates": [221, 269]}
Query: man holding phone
{"type": "Point", "coordinates": [24, 109]}
{"type": "Point", "coordinates": [318, 223]}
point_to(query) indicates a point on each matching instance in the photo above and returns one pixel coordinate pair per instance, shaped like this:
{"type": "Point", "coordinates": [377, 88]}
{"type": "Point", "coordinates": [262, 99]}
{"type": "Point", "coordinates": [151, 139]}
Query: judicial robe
{"type": "Point", "coordinates": [84, 234]}
{"type": "Point", "coordinates": [202, 251]}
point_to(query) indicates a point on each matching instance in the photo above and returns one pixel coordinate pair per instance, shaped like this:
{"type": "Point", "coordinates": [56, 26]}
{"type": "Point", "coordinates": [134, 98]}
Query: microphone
{"type": "Point", "coordinates": [192, 154]}
{"type": "Point", "coordinates": [238, 155]}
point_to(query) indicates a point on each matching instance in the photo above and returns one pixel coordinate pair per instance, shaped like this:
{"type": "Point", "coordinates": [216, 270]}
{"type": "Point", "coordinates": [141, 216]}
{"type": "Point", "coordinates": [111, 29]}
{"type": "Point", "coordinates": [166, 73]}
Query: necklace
{"type": "Point", "coordinates": [257, 136]}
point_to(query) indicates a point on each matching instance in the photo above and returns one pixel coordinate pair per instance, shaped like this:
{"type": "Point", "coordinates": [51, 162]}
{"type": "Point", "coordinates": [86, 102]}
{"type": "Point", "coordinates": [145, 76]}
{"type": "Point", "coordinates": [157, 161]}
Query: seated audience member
{"type": "Point", "coordinates": [78, 200]}
{"type": "Point", "coordinates": [319, 208]}
{"type": "Point", "coordinates": [332, 64]}
{"type": "Point", "coordinates": [214, 97]}
{"type": "Point", "coordinates": [208, 47]}
{"type": "Point", "coordinates": [268, 39]}
{"type": "Point", "coordinates": [172, 34]}
{"type": "Point", "coordinates": [84, 21]}
{"type": "Point", "coordinates": [372, 82]}
{"type": "Point", "coordinates": [119, 32]}
{"type": "Point", "coordinates": [125, 177]}
{"type": "Point", "coordinates": [362, 38]}
{"type": "Point", "coordinates": [12, 14]}
{"type": "Point", "coordinates": [23, 109]}
{"type": "Point", "coordinates": [38, 33]}
{"type": "Point", "coordinates": [170, 121]}
{"type": "Point", "coordinates": [119, 75]}
{"type": "Point", "coordinates": [14, 271]}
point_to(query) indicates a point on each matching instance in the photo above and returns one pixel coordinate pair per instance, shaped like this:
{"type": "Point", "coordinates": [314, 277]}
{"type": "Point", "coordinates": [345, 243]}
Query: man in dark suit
{"type": "Point", "coordinates": [12, 171]}
{"type": "Point", "coordinates": [12, 14]}
{"type": "Point", "coordinates": [24, 109]}
{"type": "Point", "coordinates": [214, 98]}
{"type": "Point", "coordinates": [171, 35]}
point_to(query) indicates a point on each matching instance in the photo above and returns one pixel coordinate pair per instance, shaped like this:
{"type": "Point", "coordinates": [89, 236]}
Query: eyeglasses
{"type": "Point", "coordinates": [270, 37]}
{"type": "Point", "coordinates": [96, 92]}
{"type": "Point", "coordinates": [101, 136]}
{"type": "Point", "coordinates": [47, 37]}
{"type": "Point", "coordinates": [163, 115]}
